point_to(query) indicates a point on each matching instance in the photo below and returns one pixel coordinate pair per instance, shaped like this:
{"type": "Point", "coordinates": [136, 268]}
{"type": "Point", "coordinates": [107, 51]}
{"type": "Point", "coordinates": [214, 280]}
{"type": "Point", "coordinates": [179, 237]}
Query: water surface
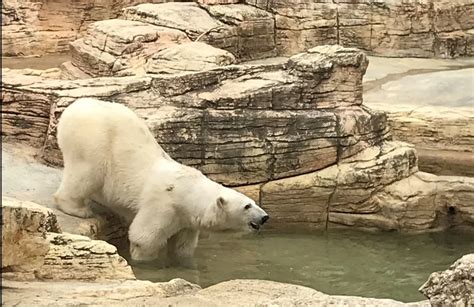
{"type": "Point", "coordinates": [381, 265]}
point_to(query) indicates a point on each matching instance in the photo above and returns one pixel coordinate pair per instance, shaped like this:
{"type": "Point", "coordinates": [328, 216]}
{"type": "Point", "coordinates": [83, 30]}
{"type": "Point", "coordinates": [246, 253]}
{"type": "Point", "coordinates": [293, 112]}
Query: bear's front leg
{"type": "Point", "coordinates": [150, 231]}
{"type": "Point", "coordinates": [181, 247]}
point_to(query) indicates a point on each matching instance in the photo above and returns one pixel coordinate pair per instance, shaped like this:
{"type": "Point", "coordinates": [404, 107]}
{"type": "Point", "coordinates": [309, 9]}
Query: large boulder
{"type": "Point", "coordinates": [33, 248]}
{"type": "Point", "coordinates": [245, 31]}
{"type": "Point", "coordinates": [24, 229]}
{"type": "Point", "coordinates": [121, 47]}
{"type": "Point", "coordinates": [452, 287]}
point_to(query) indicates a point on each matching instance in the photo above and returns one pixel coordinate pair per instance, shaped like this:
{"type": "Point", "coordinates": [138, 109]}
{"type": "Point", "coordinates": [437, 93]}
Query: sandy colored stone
{"type": "Point", "coordinates": [240, 124]}
{"type": "Point", "coordinates": [389, 28]}
{"type": "Point", "coordinates": [432, 110]}
{"type": "Point", "coordinates": [178, 292]}
{"type": "Point", "coordinates": [75, 257]}
{"type": "Point", "coordinates": [186, 57]}
{"type": "Point", "coordinates": [258, 28]}
{"type": "Point", "coordinates": [251, 34]}
{"type": "Point", "coordinates": [324, 198]}
{"type": "Point", "coordinates": [32, 248]}
{"type": "Point", "coordinates": [454, 286]}
{"type": "Point", "coordinates": [293, 133]}
{"type": "Point", "coordinates": [24, 228]}
{"type": "Point", "coordinates": [121, 47]}
{"type": "Point", "coordinates": [98, 293]}
{"type": "Point", "coordinates": [245, 31]}
{"type": "Point", "coordinates": [34, 28]}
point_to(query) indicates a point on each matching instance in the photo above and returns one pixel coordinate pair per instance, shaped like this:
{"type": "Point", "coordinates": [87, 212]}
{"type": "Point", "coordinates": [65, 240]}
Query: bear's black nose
{"type": "Point", "coordinates": [264, 219]}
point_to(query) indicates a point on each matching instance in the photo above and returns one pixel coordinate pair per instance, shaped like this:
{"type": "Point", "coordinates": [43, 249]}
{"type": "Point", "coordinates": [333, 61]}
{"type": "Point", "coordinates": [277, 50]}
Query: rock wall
{"type": "Point", "coordinates": [257, 29]}
{"type": "Point", "coordinates": [422, 28]}
{"type": "Point", "coordinates": [291, 133]}
{"type": "Point", "coordinates": [32, 28]}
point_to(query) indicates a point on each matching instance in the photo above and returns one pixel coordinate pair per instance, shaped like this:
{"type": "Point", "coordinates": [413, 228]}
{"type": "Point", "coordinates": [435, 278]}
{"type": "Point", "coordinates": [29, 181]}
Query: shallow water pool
{"type": "Point", "coordinates": [381, 265]}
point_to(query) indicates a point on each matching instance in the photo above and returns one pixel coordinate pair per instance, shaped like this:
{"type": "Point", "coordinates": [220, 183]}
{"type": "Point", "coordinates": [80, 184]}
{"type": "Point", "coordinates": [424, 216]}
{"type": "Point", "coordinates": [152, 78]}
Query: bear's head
{"type": "Point", "coordinates": [235, 211]}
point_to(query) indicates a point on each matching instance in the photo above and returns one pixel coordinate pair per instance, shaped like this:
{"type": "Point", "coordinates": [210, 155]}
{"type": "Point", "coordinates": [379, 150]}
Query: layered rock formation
{"type": "Point", "coordinates": [429, 108]}
{"type": "Point", "coordinates": [291, 133]}
{"type": "Point", "coordinates": [146, 37]}
{"type": "Point", "coordinates": [390, 28]}
{"type": "Point", "coordinates": [256, 29]}
{"type": "Point", "coordinates": [34, 248]}
{"type": "Point", "coordinates": [32, 28]}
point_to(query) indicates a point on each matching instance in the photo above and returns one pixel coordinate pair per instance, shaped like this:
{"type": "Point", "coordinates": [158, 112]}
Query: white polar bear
{"type": "Point", "coordinates": [111, 157]}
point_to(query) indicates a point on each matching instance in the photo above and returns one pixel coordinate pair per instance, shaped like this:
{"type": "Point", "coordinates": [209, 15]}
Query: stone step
{"type": "Point", "coordinates": [120, 47]}
{"type": "Point", "coordinates": [245, 31]}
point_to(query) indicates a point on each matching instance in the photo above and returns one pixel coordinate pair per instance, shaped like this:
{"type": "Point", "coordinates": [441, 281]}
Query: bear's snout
{"type": "Point", "coordinates": [264, 219]}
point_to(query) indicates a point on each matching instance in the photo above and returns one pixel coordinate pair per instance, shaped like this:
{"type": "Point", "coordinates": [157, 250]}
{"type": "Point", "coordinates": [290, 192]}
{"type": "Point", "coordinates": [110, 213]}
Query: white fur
{"type": "Point", "coordinates": [111, 157]}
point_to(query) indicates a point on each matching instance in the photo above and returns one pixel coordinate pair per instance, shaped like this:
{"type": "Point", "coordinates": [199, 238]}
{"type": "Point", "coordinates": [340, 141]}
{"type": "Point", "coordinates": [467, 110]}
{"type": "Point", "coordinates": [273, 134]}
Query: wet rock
{"type": "Point", "coordinates": [454, 286]}
{"type": "Point", "coordinates": [343, 194]}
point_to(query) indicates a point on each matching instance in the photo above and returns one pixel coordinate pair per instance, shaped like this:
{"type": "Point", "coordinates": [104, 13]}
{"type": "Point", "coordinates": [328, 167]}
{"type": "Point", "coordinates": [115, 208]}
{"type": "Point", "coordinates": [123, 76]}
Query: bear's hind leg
{"type": "Point", "coordinates": [76, 186]}
{"type": "Point", "coordinates": [181, 247]}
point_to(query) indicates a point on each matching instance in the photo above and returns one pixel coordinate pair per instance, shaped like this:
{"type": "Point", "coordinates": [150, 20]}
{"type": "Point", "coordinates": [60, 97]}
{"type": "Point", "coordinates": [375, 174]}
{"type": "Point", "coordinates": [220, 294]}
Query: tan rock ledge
{"type": "Point", "coordinates": [178, 292]}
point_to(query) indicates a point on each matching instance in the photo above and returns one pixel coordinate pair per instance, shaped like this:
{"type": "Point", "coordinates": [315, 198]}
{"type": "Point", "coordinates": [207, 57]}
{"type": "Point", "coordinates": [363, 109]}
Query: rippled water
{"type": "Point", "coordinates": [382, 265]}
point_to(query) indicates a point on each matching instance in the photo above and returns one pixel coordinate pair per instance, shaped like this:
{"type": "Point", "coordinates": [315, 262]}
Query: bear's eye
{"type": "Point", "coordinates": [248, 206]}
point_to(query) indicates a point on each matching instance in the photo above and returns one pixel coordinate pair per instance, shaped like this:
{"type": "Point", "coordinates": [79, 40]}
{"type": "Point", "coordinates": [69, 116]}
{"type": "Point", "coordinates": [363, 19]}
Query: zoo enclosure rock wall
{"type": "Point", "coordinates": [394, 28]}
{"type": "Point", "coordinates": [293, 134]}
{"type": "Point", "coordinates": [32, 28]}
{"type": "Point", "coordinates": [257, 29]}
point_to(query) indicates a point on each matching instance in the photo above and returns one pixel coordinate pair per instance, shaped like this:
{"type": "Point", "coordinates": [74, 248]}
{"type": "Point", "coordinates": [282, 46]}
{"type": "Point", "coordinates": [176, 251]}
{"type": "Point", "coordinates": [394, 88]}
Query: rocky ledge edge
{"type": "Point", "coordinates": [42, 266]}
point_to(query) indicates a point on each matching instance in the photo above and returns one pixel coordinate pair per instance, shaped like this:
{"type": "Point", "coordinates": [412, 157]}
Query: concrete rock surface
{"type": "Point", "coordinates": [179, 293]}
{"type": "Point", "coordinates": [452, 287]}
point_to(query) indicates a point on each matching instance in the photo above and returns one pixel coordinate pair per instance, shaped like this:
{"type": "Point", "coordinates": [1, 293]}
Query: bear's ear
{"type": "Point", "coordinates": [221, 202]}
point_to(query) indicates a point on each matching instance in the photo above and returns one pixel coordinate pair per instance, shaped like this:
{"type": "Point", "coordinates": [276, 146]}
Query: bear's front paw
{"type": "Point", "coordinates": [84, 212]}
{"type": "Point", "coordinates": [140, 254]}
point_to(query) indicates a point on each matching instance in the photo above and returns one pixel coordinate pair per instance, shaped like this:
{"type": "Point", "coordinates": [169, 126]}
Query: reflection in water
{"type": "Point", "coordinates": [382, 265]}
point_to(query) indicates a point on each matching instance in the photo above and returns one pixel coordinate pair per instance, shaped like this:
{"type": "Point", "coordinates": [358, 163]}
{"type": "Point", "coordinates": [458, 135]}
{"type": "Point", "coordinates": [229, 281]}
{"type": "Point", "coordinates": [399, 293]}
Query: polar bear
{"type": "Point", "coordinates": [111, 157]}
